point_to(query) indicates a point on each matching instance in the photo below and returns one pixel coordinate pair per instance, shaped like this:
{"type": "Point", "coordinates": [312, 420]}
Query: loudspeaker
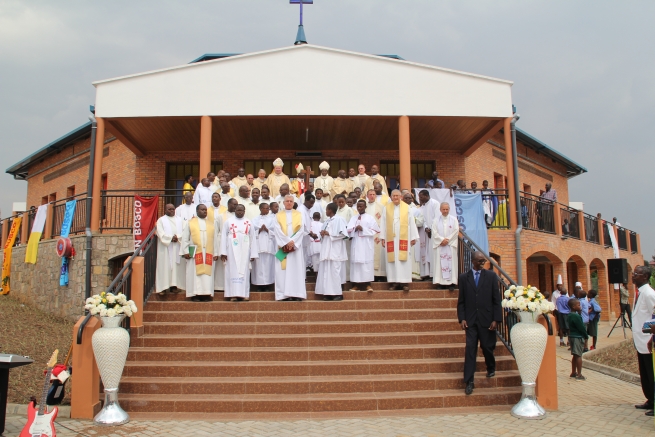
{"type": "Point", "coordinates": [617, 270]}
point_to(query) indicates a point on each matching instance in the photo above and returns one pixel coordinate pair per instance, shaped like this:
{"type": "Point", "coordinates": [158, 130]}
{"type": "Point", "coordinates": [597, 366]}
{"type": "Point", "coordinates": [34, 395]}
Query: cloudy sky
{"type": "Point", "coordinates": [583, 71]}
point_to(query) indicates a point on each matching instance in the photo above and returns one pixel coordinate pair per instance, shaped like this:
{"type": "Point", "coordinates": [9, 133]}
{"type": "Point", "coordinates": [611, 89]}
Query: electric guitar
{"type": "Point", "coordinates": [41, 423]}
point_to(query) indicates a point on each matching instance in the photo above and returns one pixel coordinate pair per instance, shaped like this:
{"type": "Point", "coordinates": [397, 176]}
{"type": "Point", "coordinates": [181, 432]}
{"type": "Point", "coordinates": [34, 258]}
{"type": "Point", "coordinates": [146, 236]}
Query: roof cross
{"type": "Point", "coordinates": [300, 36]}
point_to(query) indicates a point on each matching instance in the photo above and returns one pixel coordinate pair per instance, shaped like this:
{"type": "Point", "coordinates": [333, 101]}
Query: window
{"type": "Point", "coordinates": [527, 188]}
{"type": "Point", "coordinates": [499, 181]}
{"type": "Point", "coordinates": [175, 173]}
{"type": "Point", "coordinates": [44, 200]}
{"type": "Point", "coordinates": [52, 197]}
{"type": "Point", "coordinates": [421, 172]}
{"type": "Point", "coordinates": [70, 191]}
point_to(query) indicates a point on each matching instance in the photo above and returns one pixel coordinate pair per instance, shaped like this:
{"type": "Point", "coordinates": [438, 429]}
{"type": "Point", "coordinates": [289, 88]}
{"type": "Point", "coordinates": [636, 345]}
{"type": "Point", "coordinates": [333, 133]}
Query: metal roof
{"type": "Point", "coordinates": [572, 168]}
{"type": "Point", "coordinates": [19, 170]}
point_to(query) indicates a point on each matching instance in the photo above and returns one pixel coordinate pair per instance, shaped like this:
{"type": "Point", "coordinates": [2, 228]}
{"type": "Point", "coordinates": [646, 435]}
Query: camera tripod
{"type": "Point", "coordinates": [624, 323]}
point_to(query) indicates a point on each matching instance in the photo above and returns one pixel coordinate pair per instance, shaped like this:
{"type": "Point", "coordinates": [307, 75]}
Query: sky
{"type": "Point", "coordinates": [583, 71]}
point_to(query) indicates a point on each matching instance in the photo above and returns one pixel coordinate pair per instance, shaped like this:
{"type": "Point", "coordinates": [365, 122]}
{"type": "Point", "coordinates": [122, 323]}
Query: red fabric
{"type": "Point", "coordinates": [145, 218]}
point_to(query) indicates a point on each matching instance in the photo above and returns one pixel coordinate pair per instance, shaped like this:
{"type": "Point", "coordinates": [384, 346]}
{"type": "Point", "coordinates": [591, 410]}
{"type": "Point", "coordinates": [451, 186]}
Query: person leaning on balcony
{"type": "Point", "coordinates": [625, 301]}
{"type": "Point", "coordinates": [479, 312]}
{"type": "Point", "coordinates": [643, 312]}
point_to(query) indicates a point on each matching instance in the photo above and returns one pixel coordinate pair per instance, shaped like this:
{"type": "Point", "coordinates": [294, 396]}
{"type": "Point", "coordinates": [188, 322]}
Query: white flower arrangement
{"type": "Point", "coordinates": [110, 305]}
{"type": "Point", "coordinates": [526, 299]}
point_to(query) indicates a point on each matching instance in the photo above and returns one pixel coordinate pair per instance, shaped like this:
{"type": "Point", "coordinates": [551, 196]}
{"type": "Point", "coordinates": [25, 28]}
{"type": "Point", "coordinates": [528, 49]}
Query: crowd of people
{"type": "Point", "coordinates": [269, 231]}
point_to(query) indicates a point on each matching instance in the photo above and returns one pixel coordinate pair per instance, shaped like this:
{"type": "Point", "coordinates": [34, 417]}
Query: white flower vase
{"type": "Point", "coordinates": [529, 343]}
{"type": "Point", "coordinates": [110, 346]}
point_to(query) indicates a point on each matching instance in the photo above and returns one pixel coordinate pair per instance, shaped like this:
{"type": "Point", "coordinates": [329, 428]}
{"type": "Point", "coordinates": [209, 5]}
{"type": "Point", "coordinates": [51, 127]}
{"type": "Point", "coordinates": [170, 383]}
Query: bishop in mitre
{"type": "Point", "coordinates": [290, 230]}
{"type": "Point", "coordinates": [398, 233]}
{"type": "Point", "coordinates": [238, 249]}
{"type": "Point", "coordinates": [200, 247]}
{"type": "Point", "coordinates": [445, 231]}
{"type": "Point", "coordinates": [277, 178]}
{"type": "Point", "coordinates": [324, 182]}
{"type": "Point", "coordinates": [171, 272]}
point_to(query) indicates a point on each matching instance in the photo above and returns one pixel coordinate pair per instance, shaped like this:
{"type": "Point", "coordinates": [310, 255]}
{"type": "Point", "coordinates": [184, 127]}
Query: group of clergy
{"type": "Point", "coordinates": [270, 231]}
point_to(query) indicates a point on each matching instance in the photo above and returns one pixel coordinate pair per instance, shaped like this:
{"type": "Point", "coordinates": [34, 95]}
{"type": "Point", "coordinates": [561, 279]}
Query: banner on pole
{"type": "Point", "coordinates": [145, 218]}
{"type": "Point", "coordinates": [35, 235]}
{"type": "Point", "coordinates": [470, 215]}
{"type": "Point", "coordinates": [66, 224]}
{"type": "Point", "coordinates": [6, 258]}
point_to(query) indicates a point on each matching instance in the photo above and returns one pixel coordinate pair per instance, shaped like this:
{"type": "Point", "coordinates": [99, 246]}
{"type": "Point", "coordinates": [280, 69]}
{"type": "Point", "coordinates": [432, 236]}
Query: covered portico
{"type": "Point", "coordinates": [304, 98]}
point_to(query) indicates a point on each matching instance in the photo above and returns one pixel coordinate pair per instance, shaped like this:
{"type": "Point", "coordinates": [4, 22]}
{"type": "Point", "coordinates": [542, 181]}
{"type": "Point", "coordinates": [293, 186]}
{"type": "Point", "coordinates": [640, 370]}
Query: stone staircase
{"type": "Point", "coordinates": [385, 350]}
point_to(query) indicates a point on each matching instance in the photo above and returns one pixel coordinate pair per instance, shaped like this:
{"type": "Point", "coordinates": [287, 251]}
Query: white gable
{"type": "Point", "coordinates": [304, 80]}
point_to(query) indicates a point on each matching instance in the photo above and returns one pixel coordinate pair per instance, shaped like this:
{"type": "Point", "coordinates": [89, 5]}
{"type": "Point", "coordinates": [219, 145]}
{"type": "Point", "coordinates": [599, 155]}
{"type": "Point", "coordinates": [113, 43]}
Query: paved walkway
{"type": "Point", "coordinates": [601, 406]}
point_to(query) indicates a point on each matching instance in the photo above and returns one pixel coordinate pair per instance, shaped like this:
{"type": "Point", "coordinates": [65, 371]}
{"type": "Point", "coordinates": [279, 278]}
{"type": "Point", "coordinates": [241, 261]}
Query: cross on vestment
{"type": "Point", "coordinates": [301, 2]}
{"type": "Point", "coordinates": [233, 228]}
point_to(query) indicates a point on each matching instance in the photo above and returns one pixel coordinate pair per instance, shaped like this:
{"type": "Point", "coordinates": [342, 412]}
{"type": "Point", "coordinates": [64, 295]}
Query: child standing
{"type": "Point", "coordinates": [577, 337]}
{"type": "Point", "coordinates": [315, 245]}
{"type": "Point", "coordinates": [594, 317]}
{"type": "Point", "coordinates": [562, 314]}
{"type": "Point", "coordinates": [584, 312]}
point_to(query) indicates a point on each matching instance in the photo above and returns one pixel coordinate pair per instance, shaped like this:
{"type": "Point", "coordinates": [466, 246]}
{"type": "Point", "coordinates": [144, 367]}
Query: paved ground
{"type": "Point", "coordinates": [601, 406]}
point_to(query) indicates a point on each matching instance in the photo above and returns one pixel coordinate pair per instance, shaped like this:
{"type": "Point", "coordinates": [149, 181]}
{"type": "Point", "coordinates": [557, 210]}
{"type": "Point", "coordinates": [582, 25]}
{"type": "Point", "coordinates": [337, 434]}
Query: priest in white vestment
{"type": "Point", "coordinates": [266, 196]}
{"type": "Point", "coordinates": [363, 229]}
{"type": "Point", "coordinates": [240, 178]}
{"type": "Point", "coordinates": [238, 250]}
{"type": "Point", "coordinates": [187, 210]}
{"type": "Point", "coordinates": [376, 177]}
{"type": "Point", "coordinates": [203, 193]}
{"type": "Point", "coordinates": [225, 193]}
{"type": "Point", "coordinates": [445, 233]}
{"type": "Point", "coordinates": [284, 191]}
{"type": "Point", "coordinates": [429, 207]}
{"type": "Point", "coordinates": [331, 275]}
{"type": "Point", "coordinates": [263, 268]}
{"type": "Point", "coordinates": [315, 228]}
{"type": "Point", "coordinates": [324, 181]}
{"type": "Point", "coordinates": [200, 239]}
{"type": "Point", "coordinates": [243, 198]}
{"type": "Point", "coordinates": [290, 229]}
{"type": "Point", "coordinates": [416, 249]}
{"type": "Point", "coordinates": [375, 209]}
{"type": "Point", "coordinates": [252, 207]}
{"type": "Point", "coordinates": [276, 179]}
{"type": "Point", "coordinates": [261, 179]}
{"type": "Point", "coordinates": [346, 213]}
{"type": "Point", "coordinates": [398, 233]}
{"type": "Point", "coordinates": [217, 213]}
{"type": "Point", "coordinates": [171, 271]}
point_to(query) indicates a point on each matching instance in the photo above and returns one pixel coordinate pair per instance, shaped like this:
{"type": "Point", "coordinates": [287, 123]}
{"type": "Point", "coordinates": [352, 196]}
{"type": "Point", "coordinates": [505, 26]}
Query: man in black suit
{"type": "Point", "coordinates": [479, 312]}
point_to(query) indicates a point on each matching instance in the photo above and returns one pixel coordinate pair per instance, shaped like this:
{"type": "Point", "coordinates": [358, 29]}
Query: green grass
{"type": "Point", "coordinates": [25, 330]}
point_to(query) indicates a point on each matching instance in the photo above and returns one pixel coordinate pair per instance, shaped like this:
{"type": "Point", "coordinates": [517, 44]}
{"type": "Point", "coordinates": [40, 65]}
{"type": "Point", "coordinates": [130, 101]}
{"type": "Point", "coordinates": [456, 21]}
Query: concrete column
{"type": "Point", "coordinates": [49, 218]}
{"type": "Point", "coordinates": [509, 163]}
{"type": "Point", "coordinates": [557, 218]}
{"type": "Point", "coordinates": [404, 153]}
{"type": "Point", "coordinates": [601, 232]}
{"type": "Point", "coordinates": [138, 271]}
{"type": "Point", "coordinates": [205, 146]}
{"type": "Point", "coordinates": [85, 387]}
{"type": "Point", "coordinates": [638, 243]}
{"type": "Point", "coordinates": [97, 175]}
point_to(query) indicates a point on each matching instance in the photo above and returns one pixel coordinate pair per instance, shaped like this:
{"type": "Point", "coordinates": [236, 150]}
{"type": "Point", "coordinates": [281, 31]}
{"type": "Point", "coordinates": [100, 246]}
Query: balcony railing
{"type": "Point", "coordinates": [79, 217]}
{"type": "Point", "coordinates": [591, 229]}
{"type": "Point", "coordinates": [570, 221]}
{"type": "Point", "coordinates": [496, 207]}
{"type": "Point", "coordinates": [537, 214]}
{"type": "Point", "coordinates": [118, 206]}
{"type": "Point", "coordinates": [633, 242]}
{"type": "Point", "coordinates": [622, 237]}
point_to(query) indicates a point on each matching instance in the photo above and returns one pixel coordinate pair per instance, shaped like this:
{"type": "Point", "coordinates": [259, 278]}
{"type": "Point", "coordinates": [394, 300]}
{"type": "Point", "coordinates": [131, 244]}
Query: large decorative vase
{"type": "Point", "coordinates": [110, 346]}
{"type": "Point", "coordinates": [529, 343]}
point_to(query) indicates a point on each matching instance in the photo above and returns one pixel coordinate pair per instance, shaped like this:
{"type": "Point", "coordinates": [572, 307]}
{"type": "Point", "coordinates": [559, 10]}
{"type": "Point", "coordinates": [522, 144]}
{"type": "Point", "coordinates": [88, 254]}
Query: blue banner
{"type": "Point", "coordinates": [470, 215]}
{"type": "Point", "coordinates": [65, 231]}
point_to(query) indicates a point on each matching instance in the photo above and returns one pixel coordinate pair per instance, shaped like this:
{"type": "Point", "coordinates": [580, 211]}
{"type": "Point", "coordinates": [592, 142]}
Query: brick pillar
{"type": "Point", "coordinates": [24, 228]}
{"type": "Point", "coordinates": [49, 218]}
{"type": "Point", "coordinates": [583, 232]}
{"type": "Point", "coordinates": [509, 163]}
{"type": "Point", "coordinates": [85, 387]}
{"type": "Point", "coordinates": [557, 218]}
{"type": "Point", "coordinates": [205, 146]}
{"type": "Point", "coordinates": [97, 175]}
{"type": "Point", "coordinates": [404, 153]}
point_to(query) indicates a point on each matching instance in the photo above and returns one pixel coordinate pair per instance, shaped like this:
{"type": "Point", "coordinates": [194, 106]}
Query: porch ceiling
{"type": "Point", "coordinates": [157, 134]}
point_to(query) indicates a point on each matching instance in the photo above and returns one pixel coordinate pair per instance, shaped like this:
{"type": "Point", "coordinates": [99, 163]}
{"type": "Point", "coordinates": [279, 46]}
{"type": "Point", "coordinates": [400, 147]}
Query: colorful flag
{"type": "Point", "coordinates": [6, 261]}
{"type": "Point", "coordinates": [66, 224]}
{"type": "Point", "coordinates": [35, 236]}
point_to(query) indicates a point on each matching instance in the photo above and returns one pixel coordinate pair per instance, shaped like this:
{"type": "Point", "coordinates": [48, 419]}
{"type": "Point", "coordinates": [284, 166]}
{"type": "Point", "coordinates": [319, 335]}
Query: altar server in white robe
{"type": "Point", "coordinates": [203, 193]}
{"type": "Point", "coordinates": [376, 209]}
{"type": "Point", "coordinates": [315, 228]}
{"type": "Point", "coordinates": [238, 249]}
{"type": "Point", "coordinates": [363, 229]}
{"type": "Point", "coordinates": [290, 229]}
{"type": "Point", "coordinates": [445, 230]}
{"type": "Point", "coordinates": [346, 213]}
{"type": "Point", "coordinates": [331, 275]}
{"type": "Point", "coordinates": [416, 249]}
{"type": "Point", "coordinates": [200, 233]}
{"type": "Point", "coordinates": [429, 207]}
{"type": "Point", "coordinates": [217, 213]}
{"type": "Point", "coordinates": [263, 268]}
{"type": "Point", "coordinates": [398, 233]}
{"type": "Point", "coordinates": [171, 271]}
{"type": "Point", "coordinates": [308, 210]}
{"type": "Point", "coordinates": [187, 210]}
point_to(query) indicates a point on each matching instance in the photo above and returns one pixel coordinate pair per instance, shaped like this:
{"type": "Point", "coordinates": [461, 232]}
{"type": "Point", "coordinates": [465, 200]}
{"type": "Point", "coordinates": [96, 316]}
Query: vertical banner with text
{"type": "Point", "coordinates": [145, 218]}
{"type": "Point", "coordinates": [6, 258]}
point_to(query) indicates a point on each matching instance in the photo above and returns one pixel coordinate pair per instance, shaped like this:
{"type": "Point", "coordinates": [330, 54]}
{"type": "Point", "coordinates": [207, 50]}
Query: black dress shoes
{"type": "Point", "coordinates": [469, 388]}
{"type": "Point", "coordinates": [649, 413]}
{"type": "Point", "coordinates": [338, 297]}
{"type": "Point", "coordinates": [644, 406]}
{"type": "Point", "coordinates": [491, 373]}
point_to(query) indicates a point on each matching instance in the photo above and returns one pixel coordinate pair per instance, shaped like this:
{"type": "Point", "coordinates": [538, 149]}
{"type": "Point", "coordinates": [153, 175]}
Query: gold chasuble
{"type": "Point", "coordinates": [203, 266]}
{"type": "Point", "coordinates": [210, 212]}
{"type": "Point", "coordinates": [296, 223]}
{"type": "Point", "coordinates": [404, 231]}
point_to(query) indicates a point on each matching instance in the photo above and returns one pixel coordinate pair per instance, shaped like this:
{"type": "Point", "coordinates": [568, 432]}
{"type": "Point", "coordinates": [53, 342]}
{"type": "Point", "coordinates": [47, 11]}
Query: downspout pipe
{"type": "Point", "coordinates": [89, 201]}
{"type": "Point", "coordinates": [517, 203]}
